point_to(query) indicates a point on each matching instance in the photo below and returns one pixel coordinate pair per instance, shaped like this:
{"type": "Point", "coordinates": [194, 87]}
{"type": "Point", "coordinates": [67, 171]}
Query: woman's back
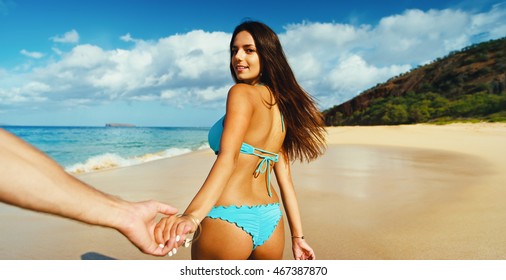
{"type": "Point", "coordinates": [265, 132]}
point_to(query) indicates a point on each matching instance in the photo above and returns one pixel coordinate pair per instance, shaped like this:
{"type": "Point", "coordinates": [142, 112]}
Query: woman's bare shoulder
{"type": "Point", "coordinates": [242, 88]}
{"type": "Point", "coordinates": [242, 92]}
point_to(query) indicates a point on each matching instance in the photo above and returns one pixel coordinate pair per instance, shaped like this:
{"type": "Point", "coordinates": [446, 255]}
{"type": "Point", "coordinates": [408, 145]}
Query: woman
{"type": "Point", "coordinates": [270, 120]}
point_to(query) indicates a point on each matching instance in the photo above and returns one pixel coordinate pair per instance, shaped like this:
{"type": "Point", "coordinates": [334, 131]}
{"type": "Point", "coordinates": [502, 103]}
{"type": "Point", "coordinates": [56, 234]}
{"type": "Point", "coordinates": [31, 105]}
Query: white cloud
{"type": "Point", "coordinates": [149, 97]}
{"type": "Point", "coordinates": [337, 61]}
{"type": "Point", "coordinates": [416, 36]}
{"type": "Point", "coordinates": [35, 55]}
{"type": "Point", "coordinates": [69, 37]}
{"type": "Point", "coordinates": [70, 103]}
{"type": "Point", "coordinates": [190, 64]}
{"type": "Point", "coordinates": [30, 92]}
{"type": "Point", "coordinates": [212, 97]}
{"type": "Point", "coordinates": [127, 38]}
{"type": "Point", "coordinates": [354, 74]}
{"type": "Point", "coordinates": [332, 61]}
{"type": "Point", "coordinates": [57, 51]}
{"type": "Point", "coordinates": [490, 24]}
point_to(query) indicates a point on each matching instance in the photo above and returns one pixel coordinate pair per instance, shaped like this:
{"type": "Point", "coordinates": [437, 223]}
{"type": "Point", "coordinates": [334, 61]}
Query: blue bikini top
{"type": "Point", "coordinates": [214, 138]}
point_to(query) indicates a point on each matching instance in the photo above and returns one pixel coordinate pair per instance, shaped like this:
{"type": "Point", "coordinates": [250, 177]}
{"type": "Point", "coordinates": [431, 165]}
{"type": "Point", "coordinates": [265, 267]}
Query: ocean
{"type": "Point", "coordinates": [87, 149]}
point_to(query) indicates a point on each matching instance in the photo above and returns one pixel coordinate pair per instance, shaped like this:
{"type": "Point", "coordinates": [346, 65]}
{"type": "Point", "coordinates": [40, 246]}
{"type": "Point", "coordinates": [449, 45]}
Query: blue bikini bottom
{"type": "Point", "coordinates": [259, 221]}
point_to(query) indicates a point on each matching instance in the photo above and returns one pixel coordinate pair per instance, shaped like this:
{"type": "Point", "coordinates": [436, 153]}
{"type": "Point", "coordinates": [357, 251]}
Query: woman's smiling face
{"type": "Point", "coordinates": [245, 60]}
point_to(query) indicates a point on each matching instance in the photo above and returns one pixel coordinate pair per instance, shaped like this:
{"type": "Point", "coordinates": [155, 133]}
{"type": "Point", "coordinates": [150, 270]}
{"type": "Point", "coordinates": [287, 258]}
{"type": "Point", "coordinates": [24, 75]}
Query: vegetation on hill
{"type": "Point", "coordinates": [465, 85]}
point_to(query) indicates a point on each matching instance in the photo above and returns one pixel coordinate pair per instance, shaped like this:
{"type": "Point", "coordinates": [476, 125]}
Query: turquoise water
{"type": "Point", "coordinates": [84, 149]}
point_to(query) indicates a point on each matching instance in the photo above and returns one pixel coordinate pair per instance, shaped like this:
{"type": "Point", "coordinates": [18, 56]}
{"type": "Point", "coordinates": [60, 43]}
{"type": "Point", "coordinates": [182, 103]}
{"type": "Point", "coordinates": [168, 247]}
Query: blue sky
{"type": "Point", "coordinates": [165, 63]}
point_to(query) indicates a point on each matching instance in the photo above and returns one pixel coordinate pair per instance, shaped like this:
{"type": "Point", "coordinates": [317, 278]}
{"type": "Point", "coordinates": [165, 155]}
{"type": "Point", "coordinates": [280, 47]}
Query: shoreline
{"type": "Point", "coordinates": [379, 192]}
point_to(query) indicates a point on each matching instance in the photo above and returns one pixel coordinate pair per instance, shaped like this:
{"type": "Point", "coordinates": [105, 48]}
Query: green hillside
{"type": "Point", "coordinates": [465, 85]}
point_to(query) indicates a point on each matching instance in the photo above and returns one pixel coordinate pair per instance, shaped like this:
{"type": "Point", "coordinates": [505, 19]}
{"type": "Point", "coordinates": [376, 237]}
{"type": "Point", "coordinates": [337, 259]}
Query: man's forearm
{"type": "Point", "coordinates": [30, 179]}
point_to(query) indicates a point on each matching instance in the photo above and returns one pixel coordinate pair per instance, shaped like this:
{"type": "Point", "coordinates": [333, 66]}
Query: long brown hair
{"type": "Point", "coordinates": [305, 134]}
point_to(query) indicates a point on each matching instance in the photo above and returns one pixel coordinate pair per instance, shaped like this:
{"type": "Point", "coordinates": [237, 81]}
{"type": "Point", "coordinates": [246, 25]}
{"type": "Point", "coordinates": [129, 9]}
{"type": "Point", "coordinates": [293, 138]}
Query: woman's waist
{"type": "Point", "coordinates": [246, 196]}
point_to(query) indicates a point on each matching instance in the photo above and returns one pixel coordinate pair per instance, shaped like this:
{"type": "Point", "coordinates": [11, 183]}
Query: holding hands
{"type": "Point", "coordinates": [138, 221]}
{"type": "Point", "coordinates": [170, 232]}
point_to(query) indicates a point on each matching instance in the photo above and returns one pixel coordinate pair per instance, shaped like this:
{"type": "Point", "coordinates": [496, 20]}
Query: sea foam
{"type": "Point", "coordinates": [87, 149]}
{"type": "Point", "coordinates": [111, 160]}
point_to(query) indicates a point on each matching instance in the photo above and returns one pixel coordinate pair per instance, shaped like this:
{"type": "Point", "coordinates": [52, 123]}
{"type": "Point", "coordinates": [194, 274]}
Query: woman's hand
{"type": "Point", "coordinates": [170, 232]}
{"type": "Point", "coordinates": [301, 250]}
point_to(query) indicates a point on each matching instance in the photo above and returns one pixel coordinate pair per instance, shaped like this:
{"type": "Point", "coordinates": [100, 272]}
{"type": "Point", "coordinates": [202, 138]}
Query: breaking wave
{"type": "Point", "coordinates": [112, 160]}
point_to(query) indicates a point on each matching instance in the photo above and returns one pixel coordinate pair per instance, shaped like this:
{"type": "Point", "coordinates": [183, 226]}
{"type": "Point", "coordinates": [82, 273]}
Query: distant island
{"type": "Point", "coordinates": [119, 125]}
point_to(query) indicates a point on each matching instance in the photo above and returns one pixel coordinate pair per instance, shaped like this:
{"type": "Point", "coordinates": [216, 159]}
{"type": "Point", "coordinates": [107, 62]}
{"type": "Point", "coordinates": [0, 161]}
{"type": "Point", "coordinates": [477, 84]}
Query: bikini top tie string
{"type": "Point", "coordinates": [265, 165]}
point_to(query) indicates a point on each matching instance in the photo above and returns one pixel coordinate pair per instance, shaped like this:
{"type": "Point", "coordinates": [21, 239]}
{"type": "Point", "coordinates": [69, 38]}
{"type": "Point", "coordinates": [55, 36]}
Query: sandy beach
{"type": "Point", "coordinates": [382, 192]}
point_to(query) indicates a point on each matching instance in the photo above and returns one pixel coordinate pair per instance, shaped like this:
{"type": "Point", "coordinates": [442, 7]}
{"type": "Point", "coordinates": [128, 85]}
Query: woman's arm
{"type": "Point", "coordinates": [301, 250]}
{"type": "Point", "coordinates": [31, 180]}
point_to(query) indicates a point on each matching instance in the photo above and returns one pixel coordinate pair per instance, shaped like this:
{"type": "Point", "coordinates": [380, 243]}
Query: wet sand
{"type": "Point", "coordinates": [396, 192]}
